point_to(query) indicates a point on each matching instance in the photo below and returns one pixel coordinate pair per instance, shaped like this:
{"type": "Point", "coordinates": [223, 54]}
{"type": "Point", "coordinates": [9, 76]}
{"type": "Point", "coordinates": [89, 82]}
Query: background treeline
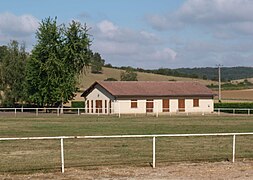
{"type": "Point", "coordinates": [48, 75]}
{"type": "Point", "coordinates": [206, 73]}
{"type": "Point", "coordinates": [227, 73]}
{"type": "Point", "coordinates": [162, 71]}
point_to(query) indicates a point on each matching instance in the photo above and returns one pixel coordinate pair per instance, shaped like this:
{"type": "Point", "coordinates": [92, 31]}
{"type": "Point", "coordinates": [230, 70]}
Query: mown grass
{"type": "Point", "coordinates": [27, 156]}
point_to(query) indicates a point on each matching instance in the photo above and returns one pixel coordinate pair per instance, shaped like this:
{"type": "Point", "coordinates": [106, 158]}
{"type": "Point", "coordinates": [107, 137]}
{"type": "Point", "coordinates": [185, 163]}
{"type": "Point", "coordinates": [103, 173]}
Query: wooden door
{"type": "Point", "coordinates": [98, 106]}
{"type": "Point", "coordinates": [166, 105]}
{"type": "Point", "coordinates": [181, 105]}
{"type": "Point", "coordinates": [149, 105]}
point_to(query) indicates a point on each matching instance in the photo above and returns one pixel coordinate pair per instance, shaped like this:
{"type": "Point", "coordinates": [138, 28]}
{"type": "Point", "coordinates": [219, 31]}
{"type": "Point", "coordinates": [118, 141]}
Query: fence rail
{"type": "Point", "coordinates": [153, 136]}
{"type": "Point", "coordinates": [97, 111]}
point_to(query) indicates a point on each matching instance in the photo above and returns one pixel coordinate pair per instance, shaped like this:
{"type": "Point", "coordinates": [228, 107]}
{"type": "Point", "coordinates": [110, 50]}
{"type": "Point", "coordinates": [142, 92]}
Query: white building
{"type": "Point", "coordinates": [126, 97]}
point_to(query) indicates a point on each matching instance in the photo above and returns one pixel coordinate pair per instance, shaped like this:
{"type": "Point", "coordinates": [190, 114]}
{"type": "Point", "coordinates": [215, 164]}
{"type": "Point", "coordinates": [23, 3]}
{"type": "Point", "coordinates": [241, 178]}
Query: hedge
{"type": "Point", "coordinates": [77, 104]}
{"type": "Point", "coordinates": [234, 106]}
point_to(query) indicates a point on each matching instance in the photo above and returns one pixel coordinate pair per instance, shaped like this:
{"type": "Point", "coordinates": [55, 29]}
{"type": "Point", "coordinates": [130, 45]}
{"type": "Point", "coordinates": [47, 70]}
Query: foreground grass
{"type": "Point", "coordinates": [69, 125]}
{"type": "Point", "coordinates": [23, 156]}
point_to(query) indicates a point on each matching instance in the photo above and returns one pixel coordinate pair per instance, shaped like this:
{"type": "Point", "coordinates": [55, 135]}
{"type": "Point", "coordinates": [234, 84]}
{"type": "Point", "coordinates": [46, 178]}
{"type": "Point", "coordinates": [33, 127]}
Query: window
{"type": "Point", "coordinates": [195, 102]}
{"type": "Point", "coordinates": [149, 105]}
{"type": "Point", "coordinates": [181, 105]}
{"type": "Point", "coordinates": [134, 103]}
{"type": "Point", "coordinates": [105, 106]}
{"type": "Point", "coordinates": [166, 105]}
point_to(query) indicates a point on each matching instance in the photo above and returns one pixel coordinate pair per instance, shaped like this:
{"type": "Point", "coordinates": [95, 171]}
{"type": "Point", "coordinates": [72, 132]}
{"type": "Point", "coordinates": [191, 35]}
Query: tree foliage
{"type": "Point", "coordinates": [3, 52]}
{"type": "Point", "coordinates": [128, 75]}
{"type": "Point", "coordinates": [96, 63]}
{"type": "Point", "coordinates": [56, 61]}
{"type": "Point", "coordinates": [13, 62]}
{"type": "Point", "coordinates": [76, 46]}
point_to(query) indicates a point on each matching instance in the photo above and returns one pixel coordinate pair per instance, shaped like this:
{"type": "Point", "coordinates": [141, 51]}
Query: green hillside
{"type": "Point", "coordinates": [88, 78]}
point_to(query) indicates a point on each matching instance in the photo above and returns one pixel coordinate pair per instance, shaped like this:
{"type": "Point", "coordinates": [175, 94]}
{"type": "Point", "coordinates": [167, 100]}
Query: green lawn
{"type": "Point", "coordinates": [23, 156]}
{"type": "Point", "coordinates": [68, 125]}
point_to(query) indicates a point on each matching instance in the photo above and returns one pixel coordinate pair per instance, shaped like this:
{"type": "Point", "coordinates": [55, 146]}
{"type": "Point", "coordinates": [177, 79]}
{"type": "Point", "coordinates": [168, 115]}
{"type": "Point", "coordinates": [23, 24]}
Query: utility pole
{"type": "Point", "coordinates": [219, 67]}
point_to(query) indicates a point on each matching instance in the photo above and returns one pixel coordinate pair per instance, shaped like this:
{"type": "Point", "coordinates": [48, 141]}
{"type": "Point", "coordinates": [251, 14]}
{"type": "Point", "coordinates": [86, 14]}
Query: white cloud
{"type": "Point", "coordinates": [207, 32]}
{"type": "Point", "coordinates": [17, 26]}
{"type": "Point", "coordinates": [107, 28]}
{"type": "Point", "coordinates": [164, 54]}
{"type": "Point", "coordinates": [214, 15]}
{"type": "Point", "coordinates": [115, 48]}
{"type": "Point", "coordinates": [21, 28]}
{"type": "Point", "coordinates": [124, 46]}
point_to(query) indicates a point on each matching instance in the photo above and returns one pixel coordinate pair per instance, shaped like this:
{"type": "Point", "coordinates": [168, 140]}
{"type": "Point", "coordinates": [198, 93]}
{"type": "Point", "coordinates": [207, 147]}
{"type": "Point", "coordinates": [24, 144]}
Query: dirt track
{"type": "Point", "coordinates": [218, 170]}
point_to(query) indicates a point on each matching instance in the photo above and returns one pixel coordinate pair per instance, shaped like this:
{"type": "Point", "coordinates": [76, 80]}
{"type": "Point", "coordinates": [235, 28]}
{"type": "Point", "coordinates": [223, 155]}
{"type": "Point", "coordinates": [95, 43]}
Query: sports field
{"type": "Point", "coordinates": [44, 155]}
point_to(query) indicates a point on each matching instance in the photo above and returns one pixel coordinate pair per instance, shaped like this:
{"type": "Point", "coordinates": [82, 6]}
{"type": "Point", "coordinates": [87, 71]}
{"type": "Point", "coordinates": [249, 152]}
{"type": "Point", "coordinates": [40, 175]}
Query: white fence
{"type": "Point", "coordinates": [61, 138]}
{"type": "Point", "coordinates": [97, 111]}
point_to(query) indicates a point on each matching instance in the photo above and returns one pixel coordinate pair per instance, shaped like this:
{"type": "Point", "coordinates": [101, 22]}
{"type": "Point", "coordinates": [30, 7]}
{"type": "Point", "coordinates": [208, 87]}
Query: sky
{"type": "Point", "coordinates": [145, 33]}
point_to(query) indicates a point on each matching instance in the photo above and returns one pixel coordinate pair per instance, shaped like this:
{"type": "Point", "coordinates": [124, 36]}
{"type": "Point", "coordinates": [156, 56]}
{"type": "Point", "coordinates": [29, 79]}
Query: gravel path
{"type": "Point", "coordinates": [217, 170]}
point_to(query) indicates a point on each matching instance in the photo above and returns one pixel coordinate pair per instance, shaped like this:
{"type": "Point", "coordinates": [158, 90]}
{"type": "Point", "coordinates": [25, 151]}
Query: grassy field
{"type": "Point", "coordinates": [228, 95]}
{"type": "Point", "coordinates": [87, 79]}
{"type": "Point", "coordinates": [27, 156]}
{"type": "Point", "coordinates": [245, 95]}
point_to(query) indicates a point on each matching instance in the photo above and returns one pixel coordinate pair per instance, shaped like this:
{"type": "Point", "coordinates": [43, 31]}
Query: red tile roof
{"type": "Point", "coordinates": [152, 88]}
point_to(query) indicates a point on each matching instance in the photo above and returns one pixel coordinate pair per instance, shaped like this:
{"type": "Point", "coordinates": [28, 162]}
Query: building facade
{"type": "Point", "coordinates": [140, 97]}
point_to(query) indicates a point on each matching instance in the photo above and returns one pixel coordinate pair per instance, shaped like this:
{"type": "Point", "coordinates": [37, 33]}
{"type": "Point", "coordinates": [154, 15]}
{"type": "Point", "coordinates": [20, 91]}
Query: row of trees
{"type": "Point", "coordinates": [48, 76]}
{"type": "Point", "coordinates": [161, 71]}
{"type": "Point", "coordinates": [12, 73]}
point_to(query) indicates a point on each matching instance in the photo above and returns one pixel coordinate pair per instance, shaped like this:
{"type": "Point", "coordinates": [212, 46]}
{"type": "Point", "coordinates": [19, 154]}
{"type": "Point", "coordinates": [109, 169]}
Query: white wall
{"type": "Point", "coordinates": [98, 93]}
{"type": "Point", "coordinates": [173, 105]}
{"type": "Point", "coordinates": [205, 105]}
{"type": "Point", "coordinates": [124, 105]}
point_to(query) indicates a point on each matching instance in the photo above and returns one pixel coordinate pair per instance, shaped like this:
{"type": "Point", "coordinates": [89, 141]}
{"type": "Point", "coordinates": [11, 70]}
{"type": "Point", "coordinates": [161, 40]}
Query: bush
{"type": "Point", "coordinates": [110, 79]}
{"type": "Point", "coordinates": [235, 106]}
{"type": "Point", "coordinates": [77, 104]}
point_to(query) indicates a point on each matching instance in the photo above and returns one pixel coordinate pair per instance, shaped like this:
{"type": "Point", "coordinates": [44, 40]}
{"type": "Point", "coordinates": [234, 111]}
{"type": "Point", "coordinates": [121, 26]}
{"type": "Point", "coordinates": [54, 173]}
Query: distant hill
{"type": "Point", "coordinates": [227, 73]}
{"type": "Point", "coordinates": [87, 79]}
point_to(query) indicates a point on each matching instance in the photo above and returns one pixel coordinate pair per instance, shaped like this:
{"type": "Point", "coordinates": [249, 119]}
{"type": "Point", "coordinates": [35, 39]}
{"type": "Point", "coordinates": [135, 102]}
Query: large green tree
{"type": "Point", "coordinates": [57, 59]}
{"type": "Point", "coordinates": [12, 69]}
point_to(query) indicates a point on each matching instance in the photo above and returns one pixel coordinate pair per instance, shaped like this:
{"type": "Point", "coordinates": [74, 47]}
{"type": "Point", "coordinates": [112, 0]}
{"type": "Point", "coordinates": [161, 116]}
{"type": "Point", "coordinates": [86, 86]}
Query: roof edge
{"type": "Point", "coordinates": [88, 91]}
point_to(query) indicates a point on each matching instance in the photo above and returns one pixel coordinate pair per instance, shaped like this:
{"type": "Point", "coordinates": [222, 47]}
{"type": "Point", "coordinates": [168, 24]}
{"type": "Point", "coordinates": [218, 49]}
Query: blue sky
{"type": "Point", "coordinates": [145, 33]}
